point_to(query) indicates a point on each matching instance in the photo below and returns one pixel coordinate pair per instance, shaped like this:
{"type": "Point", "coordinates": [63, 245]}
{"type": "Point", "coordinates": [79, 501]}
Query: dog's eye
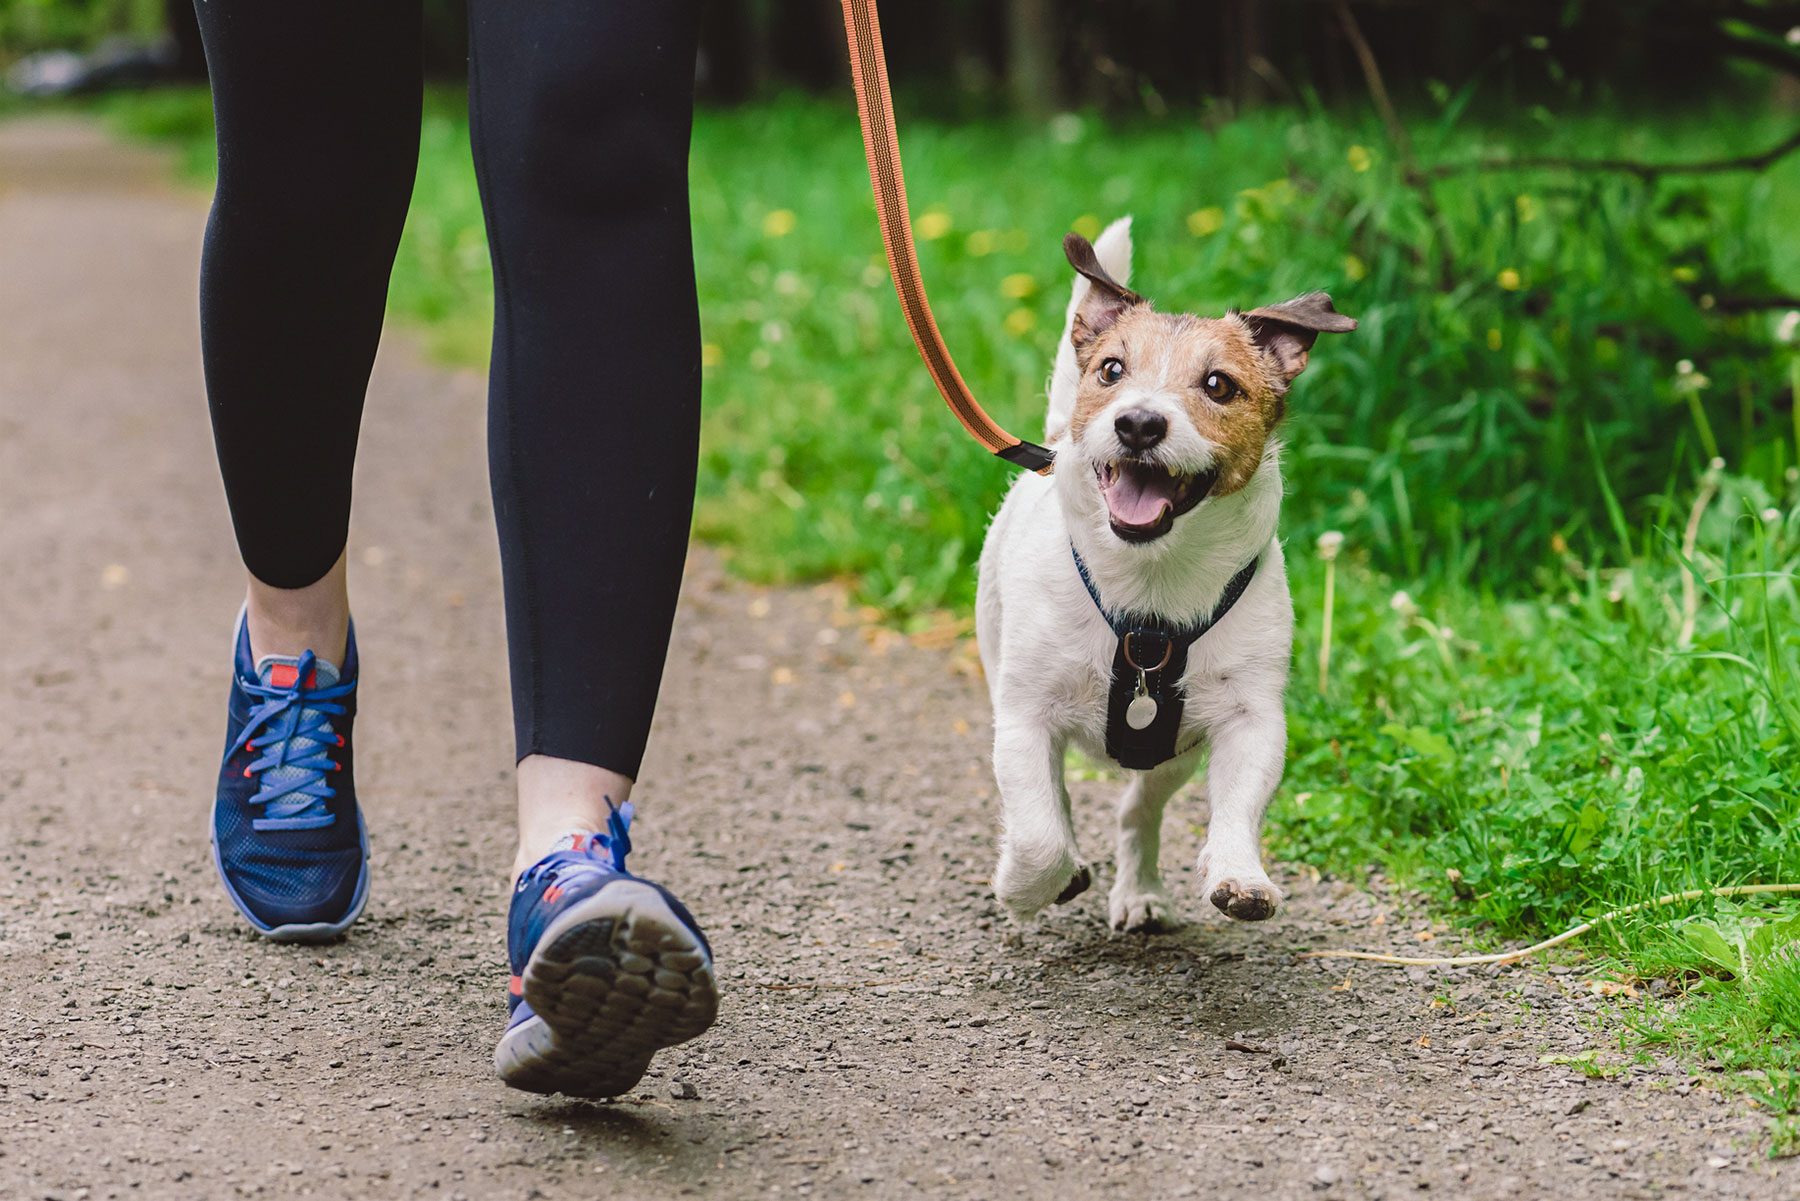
{"type": "Point", "coordinates": [1111, 372]}
{"type": "Point", "coordinates": [1219, 387]}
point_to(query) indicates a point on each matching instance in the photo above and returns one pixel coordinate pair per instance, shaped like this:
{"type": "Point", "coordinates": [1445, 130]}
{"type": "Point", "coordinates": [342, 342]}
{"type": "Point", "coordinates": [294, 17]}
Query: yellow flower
{"type": "Point", "coordinates": [1509, 279]}
{"type": "Point", "coordinates": [1355, 268]}
{"type": "Point", "coordinates": [934, 223]}
{"type": "Point", "coordinates": [1359, 158]}
{"type": "Point", "coordinates": [778, 223]}
{"type": "Point", "coordinates": [1493, 339]}
{"type": "Point", "coordinates": [712, 354]}
{"type": "Point", "coordinates": [1087, 225]}
{"type": "Point", "coordinates": [1526, 206]}
{"type": "Point", "coordinates": [1017, 287]}
{"type": "Point", "coordinates": [1020, 322]}
{"type": "Point", "coordinates": [1208, 220]}
{"type": "Point", "coordinates": [980, 243]}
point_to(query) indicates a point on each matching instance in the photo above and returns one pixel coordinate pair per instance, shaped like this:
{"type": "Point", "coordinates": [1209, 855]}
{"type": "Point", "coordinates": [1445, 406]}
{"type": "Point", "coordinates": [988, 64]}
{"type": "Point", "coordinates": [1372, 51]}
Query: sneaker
{"type": "Point", "coordinates": [287, 837]}
{"type": "Point", "coordinates": [607, 970]}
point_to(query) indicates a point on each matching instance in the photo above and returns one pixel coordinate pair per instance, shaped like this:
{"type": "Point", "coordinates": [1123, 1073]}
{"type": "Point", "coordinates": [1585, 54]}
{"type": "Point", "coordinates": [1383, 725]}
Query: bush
{"type": "Point", "coordinates": [28, 25]}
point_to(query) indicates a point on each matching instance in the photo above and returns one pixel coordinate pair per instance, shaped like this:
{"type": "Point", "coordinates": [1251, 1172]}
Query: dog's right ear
{"type": "Point", "coordinates": [1106, 297]}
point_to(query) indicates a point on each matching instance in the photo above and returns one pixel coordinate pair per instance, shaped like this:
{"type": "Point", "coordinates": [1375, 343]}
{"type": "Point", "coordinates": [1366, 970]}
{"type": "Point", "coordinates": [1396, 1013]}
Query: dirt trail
{"type": "Point", "coordinates": [818, 791]}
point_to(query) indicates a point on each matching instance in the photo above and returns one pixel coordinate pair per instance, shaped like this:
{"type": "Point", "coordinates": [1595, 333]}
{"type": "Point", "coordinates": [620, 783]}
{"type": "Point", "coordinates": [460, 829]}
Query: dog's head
{"type": "Point", "coordinates": [1173, 409]}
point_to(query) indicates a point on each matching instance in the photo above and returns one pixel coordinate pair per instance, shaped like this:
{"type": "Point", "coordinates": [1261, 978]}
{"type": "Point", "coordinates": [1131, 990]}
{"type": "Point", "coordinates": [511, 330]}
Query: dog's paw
{"type": "Point", "coordinates": [1246, 898]}
{"type": "Point", "coordinates": [1141, 911]}
{"type": "Point", "coordinates": [1027, 884]}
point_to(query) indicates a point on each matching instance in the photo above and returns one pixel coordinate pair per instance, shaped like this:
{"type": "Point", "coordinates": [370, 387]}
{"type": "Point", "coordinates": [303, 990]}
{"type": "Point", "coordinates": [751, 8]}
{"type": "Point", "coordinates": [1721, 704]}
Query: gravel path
{"type": "Point", "coordinates": [817, 789]}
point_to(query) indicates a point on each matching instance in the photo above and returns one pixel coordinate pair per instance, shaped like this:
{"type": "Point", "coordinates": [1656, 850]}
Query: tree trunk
{"type": "Point", "coordinates": [1031, 43]}
{"type": "Point", "coordinates": [1244, 36]}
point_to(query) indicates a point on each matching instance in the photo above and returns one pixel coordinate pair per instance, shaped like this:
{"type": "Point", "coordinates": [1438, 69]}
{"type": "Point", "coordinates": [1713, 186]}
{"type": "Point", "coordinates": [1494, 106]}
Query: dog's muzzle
{"type": "Point", "coordinates": [1143, 498]}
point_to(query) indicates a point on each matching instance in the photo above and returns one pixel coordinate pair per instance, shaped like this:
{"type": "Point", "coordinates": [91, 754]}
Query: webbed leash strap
{"type": "Point", "coordinates": [881, 145]}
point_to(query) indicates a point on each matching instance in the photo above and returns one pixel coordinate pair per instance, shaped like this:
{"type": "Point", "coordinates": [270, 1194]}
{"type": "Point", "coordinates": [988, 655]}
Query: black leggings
{"type": "Point", "coordinates": [581, 112]}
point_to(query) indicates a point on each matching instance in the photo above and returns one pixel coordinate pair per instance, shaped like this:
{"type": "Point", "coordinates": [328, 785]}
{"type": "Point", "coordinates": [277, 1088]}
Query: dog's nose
{"type": "Point", "coordinates": [1140, 429]}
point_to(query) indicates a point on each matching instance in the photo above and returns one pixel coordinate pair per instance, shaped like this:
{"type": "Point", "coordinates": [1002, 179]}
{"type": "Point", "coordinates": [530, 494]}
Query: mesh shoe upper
{"type": "Point", "coordinates": [285, 824]}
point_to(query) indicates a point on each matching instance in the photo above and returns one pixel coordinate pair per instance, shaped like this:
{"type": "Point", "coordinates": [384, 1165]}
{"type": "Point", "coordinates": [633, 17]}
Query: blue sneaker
{"type": "Point", "coordinates": [607, 970]}
{"type": "Point", "coordinates": [287, 837]}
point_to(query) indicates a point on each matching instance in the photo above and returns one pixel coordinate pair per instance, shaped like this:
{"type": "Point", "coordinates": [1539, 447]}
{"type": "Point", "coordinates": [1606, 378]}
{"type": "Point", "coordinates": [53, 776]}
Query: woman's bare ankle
{"type": "Point", "coordinates": [290, 621]}
{"type": "Point", "coordinates": [562, 796]}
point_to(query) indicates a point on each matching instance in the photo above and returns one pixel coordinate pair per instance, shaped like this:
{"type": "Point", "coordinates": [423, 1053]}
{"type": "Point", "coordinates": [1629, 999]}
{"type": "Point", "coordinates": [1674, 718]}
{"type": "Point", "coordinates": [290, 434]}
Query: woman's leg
{"type": "Point", "coordinates": [581, 112]}
{"type": "Point", "coordinates": [317, 108]}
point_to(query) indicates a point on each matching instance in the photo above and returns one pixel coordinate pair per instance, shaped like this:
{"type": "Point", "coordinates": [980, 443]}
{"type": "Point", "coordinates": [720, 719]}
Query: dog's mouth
{"type": "Point", "coordinates": [1143, 499]}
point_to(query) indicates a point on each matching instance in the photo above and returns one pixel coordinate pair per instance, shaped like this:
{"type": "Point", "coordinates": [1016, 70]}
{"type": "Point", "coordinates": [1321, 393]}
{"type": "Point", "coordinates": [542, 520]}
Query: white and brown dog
{"type": "Point", "coordinates": [1135, 603]}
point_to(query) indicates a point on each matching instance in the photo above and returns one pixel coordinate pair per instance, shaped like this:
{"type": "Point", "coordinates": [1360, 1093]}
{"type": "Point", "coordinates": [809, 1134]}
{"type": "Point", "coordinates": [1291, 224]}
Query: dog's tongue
{"type": "Point", "coordinates": [1139, 496]}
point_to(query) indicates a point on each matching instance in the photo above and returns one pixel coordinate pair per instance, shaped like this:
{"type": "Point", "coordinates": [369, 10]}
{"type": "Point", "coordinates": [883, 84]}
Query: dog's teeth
{"type": "Point", "coordinates": [1174, 474]}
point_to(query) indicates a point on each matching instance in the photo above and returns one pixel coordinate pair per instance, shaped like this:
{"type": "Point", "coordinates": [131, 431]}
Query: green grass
{"type": "Point", "coordinates": [1511, 438]}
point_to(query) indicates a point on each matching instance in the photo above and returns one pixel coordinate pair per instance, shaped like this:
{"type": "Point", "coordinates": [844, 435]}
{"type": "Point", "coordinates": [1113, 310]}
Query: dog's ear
{"type": "Point", "coordinates": [1106, 297]}
{"type": "Point", "coordinates": [1286, 331]}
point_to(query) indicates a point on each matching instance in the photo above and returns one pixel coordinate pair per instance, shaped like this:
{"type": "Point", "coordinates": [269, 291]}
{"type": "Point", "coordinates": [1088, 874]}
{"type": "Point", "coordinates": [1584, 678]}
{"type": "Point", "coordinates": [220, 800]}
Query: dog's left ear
{"type": "Point", "coordinates": [1106, 297]}
{"type": "Point", "coordinates": [1286, 331]}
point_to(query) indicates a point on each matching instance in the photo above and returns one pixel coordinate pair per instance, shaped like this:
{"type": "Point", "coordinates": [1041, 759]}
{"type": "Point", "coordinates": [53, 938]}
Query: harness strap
{"type": "Point", "coordinates": [881, 146]}
{"type": "Point", "coordinates": [1145, 700]}
{"type": "Point", "coordinates": [1184, 636]}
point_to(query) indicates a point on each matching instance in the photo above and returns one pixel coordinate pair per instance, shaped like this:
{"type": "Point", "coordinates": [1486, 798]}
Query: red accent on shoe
{"type": "Point", "coordinates": [283, 675]}
{"type": "Point", "coordinates": [515, 986]}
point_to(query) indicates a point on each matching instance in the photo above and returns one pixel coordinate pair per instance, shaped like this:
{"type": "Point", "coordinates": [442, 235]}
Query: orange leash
{"type": "Point", "coordinates": [881, 145]}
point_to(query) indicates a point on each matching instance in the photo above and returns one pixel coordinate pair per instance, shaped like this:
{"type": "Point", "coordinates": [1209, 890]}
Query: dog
{"type": "Point", "coordinates": [1135, 603]}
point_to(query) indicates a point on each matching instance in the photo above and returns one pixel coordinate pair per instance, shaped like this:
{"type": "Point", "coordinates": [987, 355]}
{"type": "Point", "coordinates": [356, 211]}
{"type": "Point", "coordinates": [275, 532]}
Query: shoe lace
{"type": "Point", "coordinates": [294, 725]}
{"type": "Point", "coordinates": [615, 840]}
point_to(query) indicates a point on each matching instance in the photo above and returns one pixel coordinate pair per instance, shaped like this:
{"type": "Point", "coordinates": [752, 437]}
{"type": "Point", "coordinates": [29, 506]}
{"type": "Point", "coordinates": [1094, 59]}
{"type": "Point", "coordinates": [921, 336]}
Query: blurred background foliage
{"type": "Point", "coordinates": [29, 25]}
{"type": "Point", "coordinates": [1045, 54]}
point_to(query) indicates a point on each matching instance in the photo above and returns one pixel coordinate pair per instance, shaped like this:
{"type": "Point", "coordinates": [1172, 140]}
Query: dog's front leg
{"type": "Point", "coordinates": [1039, 862]}
{"type": "Point", "coordinates": [1245, 767]}
{"type": "Point", "coordinates": [1139, 900]}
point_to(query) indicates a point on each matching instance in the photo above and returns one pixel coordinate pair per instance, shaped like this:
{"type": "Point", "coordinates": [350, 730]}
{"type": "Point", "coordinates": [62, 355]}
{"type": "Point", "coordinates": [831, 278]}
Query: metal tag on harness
{"type": "Point", "coordinates": [1144, 706]}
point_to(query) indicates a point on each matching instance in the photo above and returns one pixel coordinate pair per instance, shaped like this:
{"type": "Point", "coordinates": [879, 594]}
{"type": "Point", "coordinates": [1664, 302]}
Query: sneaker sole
{"type": "Point", "coordinates": [612, 982]}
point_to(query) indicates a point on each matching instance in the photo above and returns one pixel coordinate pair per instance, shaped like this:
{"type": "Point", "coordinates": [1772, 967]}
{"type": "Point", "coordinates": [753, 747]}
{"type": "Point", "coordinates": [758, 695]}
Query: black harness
{"type": "Point", "coordinates": [1143, 710]}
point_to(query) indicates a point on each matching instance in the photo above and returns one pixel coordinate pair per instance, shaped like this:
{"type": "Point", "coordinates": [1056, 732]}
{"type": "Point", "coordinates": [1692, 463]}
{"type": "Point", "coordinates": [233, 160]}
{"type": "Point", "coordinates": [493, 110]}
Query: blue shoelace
{"type": "Point", "coordinates": [295, 724]}
{"type": "Point", "coordinates": [615, 840]}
